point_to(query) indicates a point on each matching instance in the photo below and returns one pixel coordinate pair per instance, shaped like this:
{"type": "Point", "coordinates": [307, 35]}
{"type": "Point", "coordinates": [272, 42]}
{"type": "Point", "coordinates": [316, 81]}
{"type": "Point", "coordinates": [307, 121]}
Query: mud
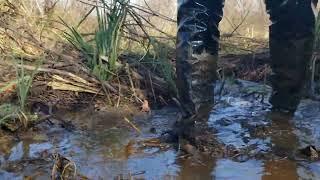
{"type": "Point", "coordinates": [264, 144]}
{"type": "Point", "coordinates": [248, 66]}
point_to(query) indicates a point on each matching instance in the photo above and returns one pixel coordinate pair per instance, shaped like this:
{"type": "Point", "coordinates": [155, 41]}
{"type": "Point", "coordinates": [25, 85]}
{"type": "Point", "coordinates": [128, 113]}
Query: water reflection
{"type": "Point", "coordinates": [280, 169]}
{"type": "Point", "coordinates": [239, 115]}
{"type": "Point", "coordinates": [284, 140]}
{"type": "Point", "coordinates": [307, 170]}
{"type": "Point", "coordinates": [241, 120]}
{"type": "Point", "coordinates": [240, 111]}
{"type": "Point", "coordinates": [282, 146]}
{"type": "Point", "coordinates": [228, 169]}
{"type": "Point", "coordinates": [307, 123]}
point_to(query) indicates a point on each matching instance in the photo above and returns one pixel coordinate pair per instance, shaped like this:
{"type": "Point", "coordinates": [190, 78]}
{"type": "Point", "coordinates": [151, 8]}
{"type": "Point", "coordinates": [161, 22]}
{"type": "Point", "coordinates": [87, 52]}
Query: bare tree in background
{"type": "Point", "coordinates": [240, 16]}
{"type": "Point", "coordinates": [245, 18]}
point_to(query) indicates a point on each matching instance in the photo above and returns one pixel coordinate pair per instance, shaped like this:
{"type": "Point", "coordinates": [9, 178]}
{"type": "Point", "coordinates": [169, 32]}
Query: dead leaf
{"type": "Point", "coordinates": [145, 106]}
{"type": "Point", "coordinates": [130, 149]}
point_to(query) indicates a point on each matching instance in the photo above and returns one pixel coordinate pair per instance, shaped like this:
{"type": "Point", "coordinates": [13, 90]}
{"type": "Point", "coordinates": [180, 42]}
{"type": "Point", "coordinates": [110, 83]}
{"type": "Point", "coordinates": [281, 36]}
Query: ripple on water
{"type": "Point", "coordinates": [240, 109]}
{"type": "Point", "coordinates": [99, 151]}
{"type": "Point", "coordinates": [228, 169]}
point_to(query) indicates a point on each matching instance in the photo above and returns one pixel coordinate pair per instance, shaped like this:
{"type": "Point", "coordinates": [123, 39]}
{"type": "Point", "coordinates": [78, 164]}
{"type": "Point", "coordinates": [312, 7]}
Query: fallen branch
{"type": "Point", "coordinates": [68, 85]}
{"type": "Point", "coordinates": [134, 126]}
{"type": "Point", "coordinates": [84, 85]}
{"type": "Point", "coordinates": [65, 73]}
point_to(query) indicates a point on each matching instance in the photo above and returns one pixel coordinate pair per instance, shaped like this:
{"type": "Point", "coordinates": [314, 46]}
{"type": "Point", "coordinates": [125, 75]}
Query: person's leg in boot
{"type": "Point", "coordinates": [197, 52]}
{"type": "Point", "coordinates": [291, 45]}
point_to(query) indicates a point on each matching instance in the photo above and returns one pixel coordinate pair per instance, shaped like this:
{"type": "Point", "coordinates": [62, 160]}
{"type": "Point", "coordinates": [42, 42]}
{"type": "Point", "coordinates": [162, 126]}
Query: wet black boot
{"type": "Point", "coordinates": [197, 54]}
{"type": "Point", "coordinates": [290, 72]}
{"type": "Point", "coordinates": [291, 45]}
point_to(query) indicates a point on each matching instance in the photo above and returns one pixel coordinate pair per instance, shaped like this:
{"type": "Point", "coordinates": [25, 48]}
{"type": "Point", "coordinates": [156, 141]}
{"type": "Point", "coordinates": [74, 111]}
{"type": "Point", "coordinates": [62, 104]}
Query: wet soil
{"type": "Point", "coordinates": [264, 144]}
{"type": "Point", "coordinates": [249, 66]}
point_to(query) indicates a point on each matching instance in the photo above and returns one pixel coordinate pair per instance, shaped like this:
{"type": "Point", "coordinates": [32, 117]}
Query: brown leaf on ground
{"type": "Point", "coordinates": [145, 106]}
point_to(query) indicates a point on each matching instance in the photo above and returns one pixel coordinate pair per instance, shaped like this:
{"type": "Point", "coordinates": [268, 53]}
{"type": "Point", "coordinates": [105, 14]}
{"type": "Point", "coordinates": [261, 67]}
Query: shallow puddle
{"type": "Point", "coordinates": [103, 146]}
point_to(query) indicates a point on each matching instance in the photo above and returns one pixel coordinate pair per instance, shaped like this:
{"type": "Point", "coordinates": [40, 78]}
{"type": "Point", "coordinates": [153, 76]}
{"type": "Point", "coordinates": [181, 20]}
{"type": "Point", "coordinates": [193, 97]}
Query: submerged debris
{"type": "Point", "coordinates": [63, 168]}
{"type": "Point", "coordinates": [310, 151]}
{"type": "Point", "coordinates": [12, 118]}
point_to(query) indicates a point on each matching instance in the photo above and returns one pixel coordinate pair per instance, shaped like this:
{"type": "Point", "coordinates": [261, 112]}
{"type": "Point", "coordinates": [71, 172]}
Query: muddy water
{"type": "Point", "coordinates": [103, 146]}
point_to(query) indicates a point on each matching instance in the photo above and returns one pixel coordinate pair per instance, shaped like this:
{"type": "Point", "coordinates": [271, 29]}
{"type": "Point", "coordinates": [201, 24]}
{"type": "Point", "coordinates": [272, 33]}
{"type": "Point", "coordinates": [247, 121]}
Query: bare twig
{"type": "Point", "coordinates": [134, 126]}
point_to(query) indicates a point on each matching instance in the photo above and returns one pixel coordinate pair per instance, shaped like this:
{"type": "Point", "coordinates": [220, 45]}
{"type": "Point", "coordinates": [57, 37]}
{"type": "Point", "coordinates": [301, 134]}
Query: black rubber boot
{"type": "Point", "coordinates": [291, 45]}
{"type": "Point", "coordinates": [196, 64]}
{"type": "Point", "coordinates": [197, 53]}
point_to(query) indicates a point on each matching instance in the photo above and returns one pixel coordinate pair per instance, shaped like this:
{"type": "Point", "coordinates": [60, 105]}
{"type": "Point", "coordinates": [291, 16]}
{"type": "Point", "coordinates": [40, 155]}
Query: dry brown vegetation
{"type": "Point", "coordinates": [78, 59]}
{"type": "Point", "coordinates": [31, 29]}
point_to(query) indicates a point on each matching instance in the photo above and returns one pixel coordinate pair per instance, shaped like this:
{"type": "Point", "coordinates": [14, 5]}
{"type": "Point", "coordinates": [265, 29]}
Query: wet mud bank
{"type": "Point", "coordinates": [257, 143]}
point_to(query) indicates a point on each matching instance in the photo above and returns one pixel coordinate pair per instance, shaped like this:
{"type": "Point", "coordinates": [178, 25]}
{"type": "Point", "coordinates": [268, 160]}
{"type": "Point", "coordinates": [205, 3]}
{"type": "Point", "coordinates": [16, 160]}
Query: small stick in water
{"type": "Point", "coordinates": [134, 126]}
